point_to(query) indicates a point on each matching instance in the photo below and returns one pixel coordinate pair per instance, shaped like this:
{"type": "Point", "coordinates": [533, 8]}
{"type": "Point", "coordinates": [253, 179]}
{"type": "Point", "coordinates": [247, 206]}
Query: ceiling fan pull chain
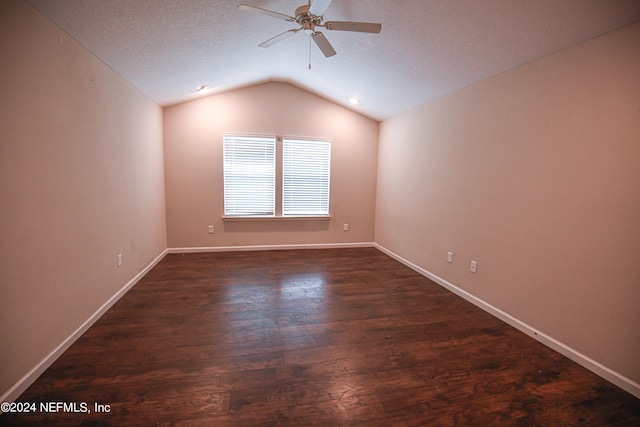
{"type": "Point", "coordinates": [309, 51]}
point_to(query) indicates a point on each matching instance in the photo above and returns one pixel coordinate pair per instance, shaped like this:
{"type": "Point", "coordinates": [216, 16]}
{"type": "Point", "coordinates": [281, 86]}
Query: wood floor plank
{"type": "Point", "coordinates": [334, 337]}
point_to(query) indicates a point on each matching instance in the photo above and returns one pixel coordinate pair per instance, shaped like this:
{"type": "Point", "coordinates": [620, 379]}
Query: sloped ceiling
{"type": "Point", "coordinates": [427, 48]}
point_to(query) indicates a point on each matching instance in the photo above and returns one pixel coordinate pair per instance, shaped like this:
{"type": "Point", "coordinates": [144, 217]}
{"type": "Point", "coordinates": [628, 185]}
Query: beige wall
{"type": "Point", "coordinates": [193, 163]}
{"type": "Point", "coordinates": [535, 174]}
{"type": "Point", "coordinates": [81, 180]}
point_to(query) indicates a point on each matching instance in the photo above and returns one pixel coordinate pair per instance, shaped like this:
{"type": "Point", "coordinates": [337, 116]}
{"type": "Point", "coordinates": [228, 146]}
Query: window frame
{"type": "Point", "coordinates": [279, 181]}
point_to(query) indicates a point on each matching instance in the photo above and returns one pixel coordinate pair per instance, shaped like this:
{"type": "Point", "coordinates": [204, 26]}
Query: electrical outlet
{"type": "Point", "coordinates": [449, 257]}
{"type": "Point", "coordinates": [119, 260]}
{"type": "Point", "coordinates": [473, 267]}
{"type": "Point", "coordinates": [211, 229]}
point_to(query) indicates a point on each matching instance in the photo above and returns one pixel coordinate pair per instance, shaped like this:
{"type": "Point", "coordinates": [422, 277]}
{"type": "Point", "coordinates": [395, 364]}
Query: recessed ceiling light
{"type": "Point", "coordinates": [354, 101]}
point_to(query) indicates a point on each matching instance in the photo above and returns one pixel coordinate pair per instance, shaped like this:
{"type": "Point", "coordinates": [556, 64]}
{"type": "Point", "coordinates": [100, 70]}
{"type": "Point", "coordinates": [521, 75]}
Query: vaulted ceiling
{"type": "Point", "coordinates": [426, 49]}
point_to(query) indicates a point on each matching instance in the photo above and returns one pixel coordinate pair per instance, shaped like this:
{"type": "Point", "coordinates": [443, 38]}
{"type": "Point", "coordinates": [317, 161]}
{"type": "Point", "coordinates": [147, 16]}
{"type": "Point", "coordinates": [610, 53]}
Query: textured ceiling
{"type": "Point", "coordinates": [427, 48]}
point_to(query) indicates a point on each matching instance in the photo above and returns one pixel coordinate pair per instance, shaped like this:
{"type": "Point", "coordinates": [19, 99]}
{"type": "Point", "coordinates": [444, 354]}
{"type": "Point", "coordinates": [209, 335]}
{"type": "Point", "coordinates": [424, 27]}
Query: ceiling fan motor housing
{"type": "Point", "coordinates": [307, 20]}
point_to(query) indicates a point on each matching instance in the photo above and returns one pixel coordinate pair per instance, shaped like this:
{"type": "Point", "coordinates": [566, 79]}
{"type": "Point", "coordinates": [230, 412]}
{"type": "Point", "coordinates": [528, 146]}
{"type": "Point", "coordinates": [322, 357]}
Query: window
{"type": "Point", "coordinates": [249, 176]}
{"type": "Point", "coordinates": [251, 165]}
{"type": "Point", "coordinates": [305, 177]}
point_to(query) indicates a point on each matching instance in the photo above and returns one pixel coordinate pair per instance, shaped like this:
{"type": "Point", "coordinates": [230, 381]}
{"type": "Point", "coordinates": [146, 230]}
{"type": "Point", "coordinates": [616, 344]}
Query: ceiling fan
{"type": "Point", "coordinates": [310, 16]}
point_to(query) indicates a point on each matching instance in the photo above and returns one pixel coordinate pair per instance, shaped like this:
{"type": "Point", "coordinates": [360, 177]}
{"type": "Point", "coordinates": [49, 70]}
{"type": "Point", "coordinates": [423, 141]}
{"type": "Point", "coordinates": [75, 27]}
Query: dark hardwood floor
{"type": "Point", "coordinates": [344, 337]}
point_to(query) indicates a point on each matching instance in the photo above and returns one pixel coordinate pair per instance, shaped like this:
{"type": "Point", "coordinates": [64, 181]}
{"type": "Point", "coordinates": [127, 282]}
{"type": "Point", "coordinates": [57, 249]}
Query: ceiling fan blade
{"type": "Point", "coordinates": [279, 37]}
{"type": "Point", "coordinates": [323, 44]}
{"type": "Point", "coordinates": [266, 12]}
{"type": "Point", "coordinates": [319, 6]}
{"type": "Point", "coordinates": [362, 27]}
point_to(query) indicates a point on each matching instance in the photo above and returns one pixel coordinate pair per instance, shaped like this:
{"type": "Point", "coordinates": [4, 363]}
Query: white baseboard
{"type": "Point", "coordinates": [19, 387]}
{"type": "Point", "coordinates": [585, 361]}
{"type": "Point", "coordinates": [270, 247]}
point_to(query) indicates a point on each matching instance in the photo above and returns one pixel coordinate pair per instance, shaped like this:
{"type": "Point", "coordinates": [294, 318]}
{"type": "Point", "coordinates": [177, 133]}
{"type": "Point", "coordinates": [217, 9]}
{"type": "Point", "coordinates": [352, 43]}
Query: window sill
{"type": "Point", "coordinates": [278, 218]}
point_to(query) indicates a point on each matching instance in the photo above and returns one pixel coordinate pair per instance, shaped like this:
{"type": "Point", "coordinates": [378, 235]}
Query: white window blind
{"type": "Point", "coordinates": [249, 176]}
{"type": "Point", "coordinates": [305, 177]}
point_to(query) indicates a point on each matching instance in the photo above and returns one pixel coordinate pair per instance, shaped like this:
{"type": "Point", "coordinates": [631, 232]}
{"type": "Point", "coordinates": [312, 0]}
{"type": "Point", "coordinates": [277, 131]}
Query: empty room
{"type": "Point", "coordinates": [324, 212]}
